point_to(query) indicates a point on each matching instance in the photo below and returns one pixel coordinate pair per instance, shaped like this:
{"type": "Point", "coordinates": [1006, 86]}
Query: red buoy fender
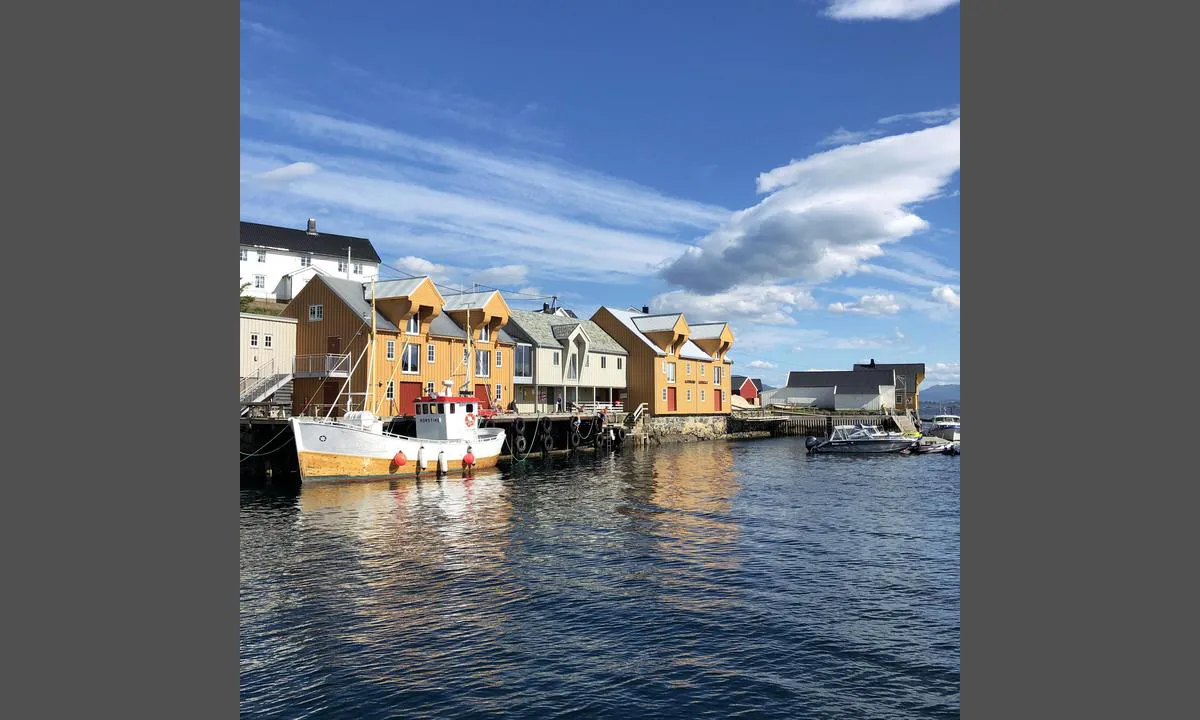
{"type": "Point", "coordinates": [469, 458]}
{"type": "Point", "coordinates": [399, 460]}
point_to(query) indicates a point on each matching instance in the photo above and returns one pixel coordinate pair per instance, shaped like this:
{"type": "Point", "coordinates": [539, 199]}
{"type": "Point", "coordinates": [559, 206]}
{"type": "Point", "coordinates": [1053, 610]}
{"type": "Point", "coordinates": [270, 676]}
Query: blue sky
{"type": "Point", "coordinates": [791, 167]}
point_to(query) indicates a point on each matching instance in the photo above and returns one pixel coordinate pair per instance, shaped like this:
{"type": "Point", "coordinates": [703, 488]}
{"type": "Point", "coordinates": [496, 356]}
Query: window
{"type": "Point", "coordinates": [245, 254]}
{"type": "Point", "coordinates": [408, 361]}
{"type": "Point", "coordinates": [391, 349]}
{"type": "Point", "coordinates": [664, 394]}
{"type": "Point", "coordinates": [470, 407]}
{"type": "Point", "coordinates": [687, 367]}
{"type": "Point", "coordinates": [341, 266]}
{"type": "Point", "coordinates": [689, 394]}
{"type": "Point", "coordinates": [266, 341]}
{"type": "Point", "coordinates": [391, 390]}
{"type": "Point", "coordinates": [499, 360]}
{"type": "Point", "coordinates": [414, 324]}
{"type": "Point", "coordinates": [429, 388]}
{"type": "Point", "coordinates": [555, 357]}
{"type": "Point", "coordinates": [483, 363]}
{"type": "Point", "coordinates": [358, 268]}
{"type": "Point", "coordinates": [701, 394]}
{"type": "Point", "coordinates": [262, 256]}
{"type": "Point", "coordinates": [572, 367]}
{"type": "Point", "coordinates": [430, 354]}
{"type": "Point", "coordinates": [670, 372]}
{"type": "Point", "coordinates": [603, 361]}
{"type": "Point", "coordinates": [717, 375]}
{"type": "Point", "coordinates": [499, 393]}
{"type": "Point", "coordinates": [452, 406]}
{"type": "Point", "coordinates": [253, 339]}
{"type": "Point", "coordinates": [618, 363]}
{"type": "Point", "coordinates": [260, 281]}
{"type": "Point", "coordinates": [524, 360]}
{"type": "Point", "coordinates": [305, 261]}
{"type": "Point", "coordinates": [485, 334]}
{"type": "Point", "coordinates": [701, 372]}
{"type": "Point", "coordinates": [316, 312]}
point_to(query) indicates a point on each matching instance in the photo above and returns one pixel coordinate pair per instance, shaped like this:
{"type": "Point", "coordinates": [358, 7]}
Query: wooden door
{"type": "Point", "coordinates": [333, 345]}
{"type": "Point", "coordinates": [717, 400]}
{"type": "Point", "coordinates": [407, 398]}
{"type": "Point", "coordinates": [481, 394]}
{"type": "Point", "coordinates": [330, 396]}
{"type": "Point", "coordinates": [671, 407]}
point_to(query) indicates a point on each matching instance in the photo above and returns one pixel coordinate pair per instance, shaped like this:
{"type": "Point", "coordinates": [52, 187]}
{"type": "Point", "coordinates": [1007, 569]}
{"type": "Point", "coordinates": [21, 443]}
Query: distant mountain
{"type": "Point", "coordinates": [939, 394]}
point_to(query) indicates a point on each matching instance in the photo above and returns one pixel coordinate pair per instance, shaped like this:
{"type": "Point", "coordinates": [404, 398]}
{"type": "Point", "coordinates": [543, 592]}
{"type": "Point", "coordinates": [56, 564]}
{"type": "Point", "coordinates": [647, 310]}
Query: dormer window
{"type": "Point", "coordinates": [485, 334]}
{"type": "Point", "coordinates": [414, 324]}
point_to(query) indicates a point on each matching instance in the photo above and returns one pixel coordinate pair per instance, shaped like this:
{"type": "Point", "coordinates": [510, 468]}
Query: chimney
{"type": "Point", "coordinates": [645, 309]}
{"type": "Point", "coordinates": [312, 226]}
{"type": "Point", "coordinates": [545, 307]}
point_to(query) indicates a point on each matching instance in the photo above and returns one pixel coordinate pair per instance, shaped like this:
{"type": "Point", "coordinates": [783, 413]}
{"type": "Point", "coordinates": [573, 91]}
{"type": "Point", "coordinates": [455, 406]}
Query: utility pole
{"type": "Point", "coordinates": [347, 262]}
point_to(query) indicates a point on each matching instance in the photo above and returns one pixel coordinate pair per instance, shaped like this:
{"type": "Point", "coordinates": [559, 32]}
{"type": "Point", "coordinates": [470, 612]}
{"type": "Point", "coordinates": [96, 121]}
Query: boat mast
{"type": "Point", "coordinates": [369, 401]}
{"type": "Point", "coordinates": [470, 351]}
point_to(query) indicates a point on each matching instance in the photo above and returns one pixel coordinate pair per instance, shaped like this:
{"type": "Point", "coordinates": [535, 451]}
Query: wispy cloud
{"type": "Point", "coordinates": [869, 305]}
{"type": "Point", "coordinates": [822, 340]}
{"type": "Point", "coordinates": [824, 215]}
{"type": "Point", "coordinates": [927, 117]}
{"type": "Point", "coordinates": [885, 9]}
{"type": "Point", "coordinates": [407, 192]}
{"type": "Point", "coordinates": [842, 136]}
{"type": "Point", "coordinates": [942, 373]}
{"type": "Point", "coordinates": [285, 174]}
{"type": "Point", "coordinates": [761, 365]}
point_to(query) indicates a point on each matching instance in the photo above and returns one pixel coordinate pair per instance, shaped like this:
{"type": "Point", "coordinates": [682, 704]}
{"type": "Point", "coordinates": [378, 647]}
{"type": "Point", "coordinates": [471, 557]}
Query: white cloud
{"type": "Point", "coordinates": [764, 304]}
{"type": "Point", "coordinates": [885, 9]}
{"type": "Point", "coordinates": [941, 374]}
{"type": "Point", "coordinates": [761, 365]}
{"type": "Point", "coordinates": [842, 136]}
{"type": "Point", "coordinates": [869, 305]}
{"type": "Point", "coordinates": [826, 214]}
{"type": "Point", "coordinates": [822, 340]}
{"type": "Point", "coordinates": [421, 266]}
{"type": "Point", "coordinates": [934, 309]}
{"type": "Point", "coordinates": [287, 173]}
{"type": "Point", "coordinates": [928, 117]}
{"type": "Point", "coordinates": [502, 275]}
{"type": "Point", "coordinates": [946, 294]}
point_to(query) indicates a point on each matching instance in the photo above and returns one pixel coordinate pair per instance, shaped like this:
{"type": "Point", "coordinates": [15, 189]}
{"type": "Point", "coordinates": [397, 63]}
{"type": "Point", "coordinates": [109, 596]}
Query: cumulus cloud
{"type": "Point", "coordinates": [941, 374]}
{"type": "Point", "coordinates": [885, 9]}
{"type": "Point", "coordinates": [766, 304]}
{"type": "Point", "coordinates": [421, 266]}
{"type": "Point", "coordinates": [761, 365]}
{"type": "Point", "coordinates": [946, 294]}
{"type": "Point", "coordinates": [869, 305]}
{"type": "Point", "coordinates": [502, 275]}
{"type": "Point", "coordinates": [826, 214]}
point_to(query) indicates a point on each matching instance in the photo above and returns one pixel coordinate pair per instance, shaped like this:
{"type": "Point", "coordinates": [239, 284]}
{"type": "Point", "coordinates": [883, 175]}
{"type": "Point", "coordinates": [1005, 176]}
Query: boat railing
{"type": "Point", "coordinates": [325, 365]}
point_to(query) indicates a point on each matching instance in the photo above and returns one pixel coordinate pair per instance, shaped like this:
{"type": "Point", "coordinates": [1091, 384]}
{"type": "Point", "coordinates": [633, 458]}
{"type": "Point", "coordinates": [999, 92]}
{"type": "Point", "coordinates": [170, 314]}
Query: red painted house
{"type": "Point", "coordinates": [747, 388]}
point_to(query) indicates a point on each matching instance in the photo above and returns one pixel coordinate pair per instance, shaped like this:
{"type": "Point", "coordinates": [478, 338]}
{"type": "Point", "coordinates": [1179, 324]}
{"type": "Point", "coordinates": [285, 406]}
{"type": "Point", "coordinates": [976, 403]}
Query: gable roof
{"type": "Point", "coordinates": [625, 317]}
{"type": "Point", "coordinates": [300, 241]}
{"type": "Point", "coordinates": [846, 381]}
{"type": "Point", "coordinates": [468, 300]}
{"type": "Point", "coordinates": [692, 351]}
{"type": "Point", "coordinates": [543, 329]}
{"type": "Point", "coordinates": [757, 383]}
{"type": "Point", "coordinates": [396, 288]}
{"type": "Point", "coordinates": [351, 293]}
{"type": "Point", "coordinates": [707, 331]}
{"type": "Point", "coordinates": [656, 323]}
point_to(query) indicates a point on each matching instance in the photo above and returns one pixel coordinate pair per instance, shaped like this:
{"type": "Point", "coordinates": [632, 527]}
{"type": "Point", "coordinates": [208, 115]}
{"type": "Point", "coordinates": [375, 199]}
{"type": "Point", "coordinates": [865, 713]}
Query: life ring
{"type": "Point", "coordinates": [519, 425]}
{"type": "Point", "coordinates": [469, 420]}
{"type": "Point", "coordinates": [521, 443]}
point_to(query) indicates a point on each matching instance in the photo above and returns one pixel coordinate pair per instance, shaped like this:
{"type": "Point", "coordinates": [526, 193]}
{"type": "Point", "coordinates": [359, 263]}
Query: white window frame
{"type": "Point", "coordinates": [262, 256]}
{"type": "Point", "coordinates": [572, 366]}
{"type": "Point", "coordinates": [358, 269]}
{"type": "Point", "coordinates": [603, 361]}
{"type": "Point", "coordinates": [341, 266]}
{"type": "Point", "coordinates": [429, 388]}
{"type": "Point", "coordinates": [670, 368]}
{"type": "Point", "coordinates": [701, 394]}
{"type": "Point", "coordinates": [499, 357]}
{"type": "Point", "coordinates": [390, 393]}
{"type": "Point", "coordinates": [528, 351]}
{"type": "Point", "coordinates": [316, 313]}
{"type": "Point", "coordinates": [254, 340]}
{"type": "Point", "coordinates": [245, 254]}
{"type": "Point", "coordinates": [689, 394]}
{"type": "Point", "coordinates": [260, 282]}
{"type": "Point", "coordinates": [717, 375]}
{"type": "Point", "coordinates": [305, 261]}
{"type": "Point", "coordinates": [701, 369]}
{"type": "Point", "coordinates": [413, 325]}
{"type": "Point", "coordinates": [483, 363]}
{"type": "Point", "coordinates": [555, 357]}
{"type": "Point", "coordinates": [499, 393]}
{"type": "Point", "coordinates": [619, 363]}
{"type": "Point", "coordinates": [430, 354]}
{"type": "Point", "coordinates": [664, 394]}
{"type": "Point", "coordinates": [688, 369]}
{"type": "Point", "coordinates": [267, 341]}
{"type": "Point", "coordinates": [391, 349]}
{"type": "Point", "coordinates": [485, 334]}
{"type": "Point", "coordinates": [414, 352]}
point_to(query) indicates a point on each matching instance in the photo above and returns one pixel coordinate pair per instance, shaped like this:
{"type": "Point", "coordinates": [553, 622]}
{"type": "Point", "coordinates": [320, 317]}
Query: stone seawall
{"type": "Point", "coordinates": [686, 428]}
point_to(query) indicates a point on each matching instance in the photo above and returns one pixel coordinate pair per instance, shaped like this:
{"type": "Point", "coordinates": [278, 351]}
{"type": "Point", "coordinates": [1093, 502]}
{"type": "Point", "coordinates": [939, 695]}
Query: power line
{"type": "Point", "coordinates": [458, 291]}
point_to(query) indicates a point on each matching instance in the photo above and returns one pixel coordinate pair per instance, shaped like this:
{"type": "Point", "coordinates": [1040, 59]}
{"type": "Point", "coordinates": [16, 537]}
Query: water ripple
{"type": "Point", "coordinates": [740, 579]}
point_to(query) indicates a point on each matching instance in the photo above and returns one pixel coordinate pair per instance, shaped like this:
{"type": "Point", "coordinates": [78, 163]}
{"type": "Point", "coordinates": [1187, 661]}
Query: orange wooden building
{"type": "Point", "coordinates": [420, 342]}
{"type": "Point", "coordinates": [675, 368]}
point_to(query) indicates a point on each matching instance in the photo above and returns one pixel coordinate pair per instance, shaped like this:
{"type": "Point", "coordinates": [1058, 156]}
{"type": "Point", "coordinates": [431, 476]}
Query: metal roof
{"type": "Point", "coordinates": [625, 317]}
{"type": "Point", "coordinates": [351, 293]}
{"type": "Point", "coordinates": [846, 381]}
{"type": "Point", "coordinates": [542, 329]}
{"type": "Point", "coordinates": [656, 323]}
{"type": "Point", "coordinates": [468, 300]}
{"type": "Point", "coordinates": [393, 288]}
{"type": "Point", "coordinates": [706, 331]}
{"type": "Point", "coordinates": [692, 351]}
{"type": "Point", "coordinates": [300, 241]}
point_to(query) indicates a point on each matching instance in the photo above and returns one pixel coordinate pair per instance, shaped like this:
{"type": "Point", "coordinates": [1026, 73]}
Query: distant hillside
{"type": "Point", "coordinates": [939, 394]}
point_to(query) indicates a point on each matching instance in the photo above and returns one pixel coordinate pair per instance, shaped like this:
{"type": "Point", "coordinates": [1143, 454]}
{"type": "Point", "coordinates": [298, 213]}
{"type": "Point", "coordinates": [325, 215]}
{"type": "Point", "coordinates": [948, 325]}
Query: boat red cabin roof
{"type": "Point", "coordinates": [447, 398]}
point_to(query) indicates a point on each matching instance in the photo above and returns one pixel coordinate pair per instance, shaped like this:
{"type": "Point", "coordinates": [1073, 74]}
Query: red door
{"type": "Point", "coordinates": [333, 345]}
{"type": "Point", "coordinates": [671, 399]}
{"type": "Point", "coordinates": [481, 394]}
{"type": "Point", "coordinates": [407, 398]}
{"type": "Point", "coordinates": [717, 400]}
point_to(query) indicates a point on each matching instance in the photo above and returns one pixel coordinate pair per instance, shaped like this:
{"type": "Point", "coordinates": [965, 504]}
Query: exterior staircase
{"type": "Point", "coordinates": [265, 382]}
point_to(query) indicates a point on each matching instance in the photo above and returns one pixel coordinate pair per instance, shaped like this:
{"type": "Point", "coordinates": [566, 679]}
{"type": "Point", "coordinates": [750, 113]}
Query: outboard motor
{"type": "Point", "coordinates": [811, 442]}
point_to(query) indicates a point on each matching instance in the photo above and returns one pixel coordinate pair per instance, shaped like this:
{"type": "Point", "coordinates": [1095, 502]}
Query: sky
{"type": "Point", "coordinates": [791, 167]}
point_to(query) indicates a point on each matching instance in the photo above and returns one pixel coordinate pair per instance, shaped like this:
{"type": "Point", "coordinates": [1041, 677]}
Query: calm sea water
{"type": "Point", "coordinates": [724, 579]}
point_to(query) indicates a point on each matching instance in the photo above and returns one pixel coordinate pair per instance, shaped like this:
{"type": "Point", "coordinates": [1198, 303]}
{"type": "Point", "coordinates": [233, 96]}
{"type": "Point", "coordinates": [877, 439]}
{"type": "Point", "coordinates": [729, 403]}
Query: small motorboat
{"type": "Point", "coordinates": [929, 444]}
{"type": "Point", "coordinates": [946, 427]}
{"type": "Point", "coordinates": [860, 439]}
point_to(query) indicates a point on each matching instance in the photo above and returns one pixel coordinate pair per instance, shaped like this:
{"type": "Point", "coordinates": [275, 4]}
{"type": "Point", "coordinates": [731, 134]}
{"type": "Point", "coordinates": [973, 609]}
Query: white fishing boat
{"type": "Point", "coordinates": [860, 439]}
{"type": "Point", "coordinates": [448, 436]}
{"type": "Point", "coordinates": [946, 427]}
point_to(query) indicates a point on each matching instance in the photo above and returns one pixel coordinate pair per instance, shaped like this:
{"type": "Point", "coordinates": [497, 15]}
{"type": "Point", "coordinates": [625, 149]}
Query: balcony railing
{"type": "Point", "coordinates": [321, 366]}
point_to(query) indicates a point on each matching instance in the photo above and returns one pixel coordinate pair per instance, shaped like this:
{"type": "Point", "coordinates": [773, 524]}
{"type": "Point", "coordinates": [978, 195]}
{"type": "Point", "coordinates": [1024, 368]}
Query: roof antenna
{"type": "Point", "coordinates": [553, 302]}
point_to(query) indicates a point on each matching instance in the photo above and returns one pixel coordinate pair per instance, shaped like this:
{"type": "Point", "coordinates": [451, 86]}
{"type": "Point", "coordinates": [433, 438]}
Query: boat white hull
{"type": "Point", "coordinates": [331, 451]}
{"type": "Point", "coordinates": [950, 434]}
{"type": "Point", "coordinates": [864, 446]}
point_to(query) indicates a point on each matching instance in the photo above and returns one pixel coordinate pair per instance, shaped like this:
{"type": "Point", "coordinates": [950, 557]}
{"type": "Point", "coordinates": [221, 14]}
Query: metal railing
{"type": "Point", "coordinates": [262, 372]}
{"type": "Point", "coordinates": [637, 413]}
{"type": "Point", "coordinates": [594, 407]}
{"type": "Point", "coordinates": [327, 365]}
